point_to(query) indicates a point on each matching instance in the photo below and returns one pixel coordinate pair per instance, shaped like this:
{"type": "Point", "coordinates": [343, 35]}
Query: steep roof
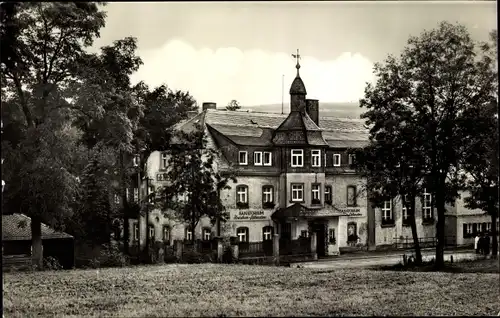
{"type": "Point", "coordinates": [255, 128]}
{"type": "Point", "coordinates": [17, 227]}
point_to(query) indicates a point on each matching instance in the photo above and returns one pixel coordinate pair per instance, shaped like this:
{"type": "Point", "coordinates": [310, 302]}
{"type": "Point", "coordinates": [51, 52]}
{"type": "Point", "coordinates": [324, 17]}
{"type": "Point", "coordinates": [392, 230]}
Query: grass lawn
{"type": "Point", "coordinates": [244, 290]}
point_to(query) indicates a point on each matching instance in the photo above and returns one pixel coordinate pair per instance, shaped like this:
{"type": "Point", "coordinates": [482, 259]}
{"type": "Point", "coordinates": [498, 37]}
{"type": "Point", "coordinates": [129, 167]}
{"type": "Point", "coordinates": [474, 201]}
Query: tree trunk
{"type": "Point", "coordinates": [440, 205]}
{"type": "Point", "coordinates": [494, 234]}
{"type": "Point", "coordinates": [413, 226]}
{"type": "Point", "coordinates": [36, 242]}
{"type": "Point", "coordinates": [125, 207]}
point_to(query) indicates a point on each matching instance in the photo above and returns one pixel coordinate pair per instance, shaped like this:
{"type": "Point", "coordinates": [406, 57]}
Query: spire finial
{"type": "Point", "coordinates": [297, 56]}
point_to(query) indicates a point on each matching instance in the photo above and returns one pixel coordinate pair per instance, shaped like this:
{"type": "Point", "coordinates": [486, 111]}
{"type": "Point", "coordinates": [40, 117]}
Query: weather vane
{"type": "Point", "coordinates": [297, 56]}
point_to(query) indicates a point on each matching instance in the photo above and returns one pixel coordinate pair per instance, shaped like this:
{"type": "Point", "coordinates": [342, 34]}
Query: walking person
{"type": "Point", "coordinates": [487, 244]}
{"type": "Point", "coordinates": [476, 243]}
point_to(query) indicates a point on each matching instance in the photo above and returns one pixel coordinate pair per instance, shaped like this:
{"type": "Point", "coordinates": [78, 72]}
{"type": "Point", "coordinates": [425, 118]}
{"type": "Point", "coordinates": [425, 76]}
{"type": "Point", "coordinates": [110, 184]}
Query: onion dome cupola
{"type": "Point", "coordinates": [298, 128]}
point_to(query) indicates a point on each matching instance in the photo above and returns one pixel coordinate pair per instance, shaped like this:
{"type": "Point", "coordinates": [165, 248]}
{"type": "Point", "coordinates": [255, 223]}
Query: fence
{"type": "Point", "coordinates": [423, 242]}
{"type": "Point", "coordinates": [295, 247]}
{"type": "Point", "coordinates": [16, 261]}
{"type": "Point", "coordinates": [256, 249]}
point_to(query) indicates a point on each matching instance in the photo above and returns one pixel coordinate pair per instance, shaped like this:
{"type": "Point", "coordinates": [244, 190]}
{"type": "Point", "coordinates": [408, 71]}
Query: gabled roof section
{"type": "Point", "coordinates": [17, 227]}
{"type": "Point", "coordinates": [298, 129]}
{"type": "Point", "coordinates": [258, 128]}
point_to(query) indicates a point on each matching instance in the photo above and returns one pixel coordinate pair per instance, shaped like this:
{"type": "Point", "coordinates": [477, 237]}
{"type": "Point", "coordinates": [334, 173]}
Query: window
{"type": "Point", "coordinates": [331, 236]}
{"type": "Point", "coordinates": [267, 197]}
{"type": "Point", "coordinates": [468, 230]}
{"type": "Point", "coordinates": [351, 196]}
{"type": "Point", "coordinates": [405, 210]}
{"type": "Point", "coordinates": [242, 234]}
{"type": "Point", "coordinates": [328, 194]}
{"type": "Point", "coordinates": [297, 158]}
{"type": "Point", "coordinates": [267, 233]}
{"type": "Point", "coordinates": [151, 195]}
{"type": "Point", "coordinates": [136, 160]}
{"type": "Point", "coordinates": [136, 232]}
{"type": "Point", "coordinates": [161, 177]}
{"type": "Point", "coordinates": [304, 233]}
{"type": "Point", "coordinates": [316, 158]}
{"type": "Point", "coordinates": [352, 159]}
{"type": "Point", "coordinates": [427, 206]}
{"type": "Point", "coordinates": [336, 160]}
{"type": "Point", "coordinates": [164, 160]}
{"type": "Point", "coordinates": [166, 233]}
{"type": "Point", "coordinates": [136, 194]}
{"type": "Point", "coordinates": [151, 232]}
{"type": "Point", "coordinates": [257, 158]}
{"type": "Point", "coordinates": [297, 192]}
{"type": "Point", "coordinates": [387, 213]}
{"type": "Point", "coordinates": [117, 199]}
{"type": "Point", "coordinates": [127, 194]}
{"type": "Point", "coordinates": [315, 194]}
{"type": "Point", "coordinates": [488, 227]}
{"type": "Point", "coordinates": [189, 233]}
{"type": "Point", "coordinates": [268, 158]}
{"type": "Point", "coordinates": [207, 234]}
{"type": "Point", "coordinates": [242, 158]}
{"type": "Point", "coordinates": [242, 196]}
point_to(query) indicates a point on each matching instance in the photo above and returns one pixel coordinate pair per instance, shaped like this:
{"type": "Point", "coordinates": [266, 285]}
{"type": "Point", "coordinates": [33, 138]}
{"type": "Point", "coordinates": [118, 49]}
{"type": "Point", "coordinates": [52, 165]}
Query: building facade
{"type": "Point", "coordinates": [294, 176]}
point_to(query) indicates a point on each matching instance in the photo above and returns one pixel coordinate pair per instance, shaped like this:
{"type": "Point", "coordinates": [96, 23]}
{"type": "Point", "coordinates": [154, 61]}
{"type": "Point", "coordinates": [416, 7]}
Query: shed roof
{"type": "Point", "coordinates": [17, 227]}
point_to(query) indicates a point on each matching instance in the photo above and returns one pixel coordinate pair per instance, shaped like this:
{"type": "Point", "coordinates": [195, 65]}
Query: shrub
{"type": "Point", "coordinates": [110, 256]}
{"type": "Point", "coordinates": [52, 264]}
{"type": "Point", "coordinates": [193, 257]}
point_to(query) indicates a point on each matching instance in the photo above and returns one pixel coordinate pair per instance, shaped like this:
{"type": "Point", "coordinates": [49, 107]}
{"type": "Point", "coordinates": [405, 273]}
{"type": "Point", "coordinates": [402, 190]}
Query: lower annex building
{"type": "Point", "coordinates": [294, 176]}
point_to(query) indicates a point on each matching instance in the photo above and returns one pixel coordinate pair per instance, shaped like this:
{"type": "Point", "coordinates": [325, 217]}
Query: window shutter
{"type": "Point", "coordinates": [465, 230]}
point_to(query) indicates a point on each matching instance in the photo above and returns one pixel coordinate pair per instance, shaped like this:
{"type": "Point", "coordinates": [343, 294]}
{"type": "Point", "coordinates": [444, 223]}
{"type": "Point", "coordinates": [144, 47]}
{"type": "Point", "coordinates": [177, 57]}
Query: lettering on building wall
{"type": "Point", "coordinates": [351, 211]}
{"type": "Point", "coordinates": [249, 215]}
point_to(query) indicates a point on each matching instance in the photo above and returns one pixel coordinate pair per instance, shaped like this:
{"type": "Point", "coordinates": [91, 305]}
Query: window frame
{"type": "Point", "coordinates": [116, 198]}
{"type": "Point", "coordinates": [261, 161]}
{"type": "Point", "coordinates": [297, 153]}
{"type": "Point", "coordinates": [241, 163]}
{"type": "Point", "coordinates": [270, 163]}
{"type": "Point", "coordinates": [186, 231]}
{"type": "Point", "coordinates": [270, 232]}
{"type": "Point", "coordinates": [316, 154]}
{"type": "Point", "coordinates": [164, 160]}
{"type": "Point", "coordinates": [425, 208]}
{"type": "Point", "coordinates": [387, 219]}
{"type": "Point", "coordinates": [337, 155]}
{"type": "Point", "coordinates": [152, 231]}
{"type": "Point", "coordinates": [328, 191]}
{"type": "Point", "coordinates": [245, 187]}
{"type": "Point", "coordinates": [301, 185]}
{"type": "Point", "coordinates": [265, 193]}
{"type": "Point", "coordinates": [315, 188]}
{"type": "Point", "coordinates": [351, 159]}
{"type": "Point", "coordinates": [204, 231]}
{"type": "Point", "coordinates": [166, 230]}
{"type": "Point", "coordinates": [246, 234]}
{"type": "Point", "coordinates": [136, 194]}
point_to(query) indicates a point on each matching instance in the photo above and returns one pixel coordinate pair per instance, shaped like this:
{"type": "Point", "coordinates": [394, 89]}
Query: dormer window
{"type": "Point", "coordinates": [297, 158]}
{"type": "Point", "coordinates": [257, 158]}
{"type": "Point", "coordinates": [316, 158]}
{"type": "Point", "coordinates": [268, 158]}
{"type": "Point", "coordinates": [243, 158]}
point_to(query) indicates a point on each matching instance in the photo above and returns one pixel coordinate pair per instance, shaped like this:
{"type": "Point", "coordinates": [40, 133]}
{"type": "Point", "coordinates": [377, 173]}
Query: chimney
{"type": "Point", "coordinates": [312, 108]}
{"type": "Point", "coordinates": [209, 106]}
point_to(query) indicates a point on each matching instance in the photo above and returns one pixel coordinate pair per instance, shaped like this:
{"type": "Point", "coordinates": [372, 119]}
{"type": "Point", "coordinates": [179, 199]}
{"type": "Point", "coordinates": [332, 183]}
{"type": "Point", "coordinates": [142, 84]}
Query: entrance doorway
{"type": "Point", "coordinates": [321, 230]}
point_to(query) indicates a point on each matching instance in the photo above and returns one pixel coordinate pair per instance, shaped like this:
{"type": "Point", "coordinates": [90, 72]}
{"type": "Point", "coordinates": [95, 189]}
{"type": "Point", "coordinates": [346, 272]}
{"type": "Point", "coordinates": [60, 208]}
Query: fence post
{"type": "Point", "coordinates": [178, 249]}
{"type": "Point", "coordinates": [276, 249]}
{"type": "Point", "coordinates": [313, 246]}
{"type": "Point", "coordinates": [220, 249]}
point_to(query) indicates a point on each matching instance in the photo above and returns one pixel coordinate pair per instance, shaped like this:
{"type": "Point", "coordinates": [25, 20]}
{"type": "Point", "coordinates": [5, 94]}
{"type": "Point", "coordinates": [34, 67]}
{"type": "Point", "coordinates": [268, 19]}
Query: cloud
{"type": "Point", "coordinates": [252, 77]}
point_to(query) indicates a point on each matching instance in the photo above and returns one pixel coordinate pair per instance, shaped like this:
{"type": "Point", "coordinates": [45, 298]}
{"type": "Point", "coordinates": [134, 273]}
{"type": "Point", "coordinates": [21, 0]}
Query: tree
{"type": "Point", "coordinates": [480, 162]}
{"type": "Point", "coordinates": [233, 105]}
{"type": "Point", "coordinates": [42, 44]}
{"type": "Point", "coordinates": [438, 76]}
{"type": "Point", "coordinates": [195, 182]}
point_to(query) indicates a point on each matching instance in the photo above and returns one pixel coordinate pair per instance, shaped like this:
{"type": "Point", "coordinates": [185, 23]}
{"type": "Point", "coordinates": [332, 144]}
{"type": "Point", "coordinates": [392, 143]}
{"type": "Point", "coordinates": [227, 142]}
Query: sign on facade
{"type": "Point", "coordinates": [245, 215]}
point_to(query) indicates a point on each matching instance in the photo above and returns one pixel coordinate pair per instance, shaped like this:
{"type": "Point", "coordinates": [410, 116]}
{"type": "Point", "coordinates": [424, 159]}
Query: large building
{"type": "Point", "coordinates": [294, 176]}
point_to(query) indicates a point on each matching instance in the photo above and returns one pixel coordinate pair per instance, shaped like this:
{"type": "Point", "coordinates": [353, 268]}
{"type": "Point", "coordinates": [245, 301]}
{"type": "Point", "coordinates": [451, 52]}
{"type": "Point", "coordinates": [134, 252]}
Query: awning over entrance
{"type": "Point", "coordinates": [298, 210]}
{"type": "Point", "coordinates": [295, 210]}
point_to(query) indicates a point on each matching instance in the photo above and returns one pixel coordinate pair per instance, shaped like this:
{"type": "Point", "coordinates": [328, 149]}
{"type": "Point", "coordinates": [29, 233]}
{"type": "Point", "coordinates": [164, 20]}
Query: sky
{"type": "Point", "coordinates": [220, 51]}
